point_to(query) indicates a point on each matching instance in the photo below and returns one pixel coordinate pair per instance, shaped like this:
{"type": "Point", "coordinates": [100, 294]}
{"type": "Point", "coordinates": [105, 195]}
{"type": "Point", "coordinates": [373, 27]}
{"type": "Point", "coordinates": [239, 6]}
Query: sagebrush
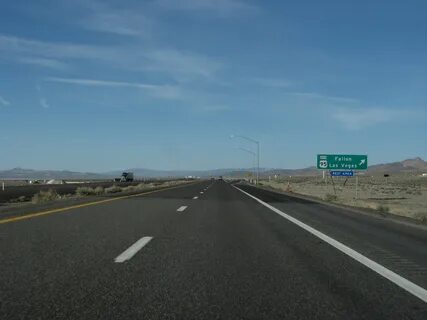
{"type": "Point", "coordinates": [45, 196]}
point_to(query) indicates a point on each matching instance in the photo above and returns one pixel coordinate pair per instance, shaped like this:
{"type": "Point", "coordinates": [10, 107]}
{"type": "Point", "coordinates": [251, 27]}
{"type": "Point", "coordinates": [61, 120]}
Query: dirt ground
{"type": "Point", "coordinates": [399, 194]}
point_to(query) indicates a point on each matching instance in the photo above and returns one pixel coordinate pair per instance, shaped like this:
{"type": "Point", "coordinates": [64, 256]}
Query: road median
{"type": "Point", "coordinates": [31, 210]}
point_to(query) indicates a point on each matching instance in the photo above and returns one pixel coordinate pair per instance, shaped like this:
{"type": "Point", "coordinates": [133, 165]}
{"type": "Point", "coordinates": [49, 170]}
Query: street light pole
{"type": "Point", "coordinates": [257, 173]}
{"type": "Point", "coordinates": [257, 144]}
{"type": "Point", "coordinates": [252, 153]}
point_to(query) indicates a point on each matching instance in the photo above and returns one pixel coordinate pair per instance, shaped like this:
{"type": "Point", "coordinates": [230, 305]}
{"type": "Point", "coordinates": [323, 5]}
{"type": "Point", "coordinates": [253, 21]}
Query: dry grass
{"type": "Point", "coordinates": [383, 209]}
{"type": "Point", "coordinates": [45, 196]}
{"type": "Point", "coordinates": [113, 189]}
{"type": "Point", "coordinates": [331, 197]}
{"type": "Point", "coordinates": [401, 194]}
{"type": "Point", "coordinates": [99, 190]}
{"type": "Point", "coordinates": [19, 199]}
{"type": "Point", "coordinates": [85, 191]}
{"type": "Point", "coordinates": [128, 189]}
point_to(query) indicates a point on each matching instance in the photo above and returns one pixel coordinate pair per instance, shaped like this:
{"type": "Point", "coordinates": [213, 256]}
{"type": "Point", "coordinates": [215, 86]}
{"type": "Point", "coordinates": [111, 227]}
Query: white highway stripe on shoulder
{"type": "Point", "coordinates": [374, 266]}
{"type": "Point", "coordinates": [132, 250]}
{"type": "Point", "coordinates": [182, 208]}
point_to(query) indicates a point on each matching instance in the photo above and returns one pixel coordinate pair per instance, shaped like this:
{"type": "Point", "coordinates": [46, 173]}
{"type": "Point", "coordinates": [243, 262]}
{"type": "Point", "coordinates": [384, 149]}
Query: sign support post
{"type": "Point", "coordinates": [333, 185]}
{"type": "Point", "coordinates": [357, 186]}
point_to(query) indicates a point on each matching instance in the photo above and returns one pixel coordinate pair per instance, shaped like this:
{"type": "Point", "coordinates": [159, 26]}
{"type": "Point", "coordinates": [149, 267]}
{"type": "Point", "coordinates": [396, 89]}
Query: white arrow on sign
{"type": "Point", "coordinates": [362, 162]}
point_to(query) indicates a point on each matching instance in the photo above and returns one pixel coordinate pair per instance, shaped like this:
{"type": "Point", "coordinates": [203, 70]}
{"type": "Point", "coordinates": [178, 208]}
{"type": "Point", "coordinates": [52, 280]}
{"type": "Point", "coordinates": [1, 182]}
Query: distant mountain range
{"type": "Point", "coordinates": [416, 165]}
{"type": "Point", "coordinates": [411, 166]}
{"type": "Point", "coordinates": [19, 173]}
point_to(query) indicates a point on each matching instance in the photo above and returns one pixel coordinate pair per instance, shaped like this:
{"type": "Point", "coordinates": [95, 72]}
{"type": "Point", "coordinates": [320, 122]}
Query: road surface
{"type": "Point", "coordinates": [210, 250]}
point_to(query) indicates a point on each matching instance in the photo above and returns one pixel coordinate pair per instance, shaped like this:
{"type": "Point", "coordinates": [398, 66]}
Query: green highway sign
{"type": "Point", "coordinates": [342, 162]}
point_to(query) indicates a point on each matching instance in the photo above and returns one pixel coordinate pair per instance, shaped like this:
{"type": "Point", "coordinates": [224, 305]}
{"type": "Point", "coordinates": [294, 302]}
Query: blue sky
{"type": "Point", "coordinates": [102, 85]}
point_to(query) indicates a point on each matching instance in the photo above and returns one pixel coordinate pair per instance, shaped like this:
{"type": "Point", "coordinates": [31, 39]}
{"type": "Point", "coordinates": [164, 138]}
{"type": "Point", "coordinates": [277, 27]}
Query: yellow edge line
{"type": "Point", "coordinates": [44, 213]}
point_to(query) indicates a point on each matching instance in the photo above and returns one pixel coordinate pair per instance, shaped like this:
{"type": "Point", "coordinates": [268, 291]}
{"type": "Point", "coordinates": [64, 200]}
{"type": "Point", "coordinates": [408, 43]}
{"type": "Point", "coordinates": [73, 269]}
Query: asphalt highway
{"type": "Point", "coordinates": [210, 250]}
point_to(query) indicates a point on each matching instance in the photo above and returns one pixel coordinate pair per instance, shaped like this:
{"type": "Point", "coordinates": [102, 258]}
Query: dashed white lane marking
{"type": "Point", "coordinates": [182, 208]}
{"type": "Point", "coordinates": [195, 198]}
{"type": "Point", "coordinates": [132, 250]}
{"type": "Point", "coordinates": [201, 192]}
{"type": "Point", "coordinates": [374, 266]}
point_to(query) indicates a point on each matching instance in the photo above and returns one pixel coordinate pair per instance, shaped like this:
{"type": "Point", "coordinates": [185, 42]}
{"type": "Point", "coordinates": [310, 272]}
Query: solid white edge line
{"type": "Point", "coordinates": [132, 250]}
{"type": "Point", "coordinates": [374, 266]}
{"type": "Point", "coordinates": [182, 208]}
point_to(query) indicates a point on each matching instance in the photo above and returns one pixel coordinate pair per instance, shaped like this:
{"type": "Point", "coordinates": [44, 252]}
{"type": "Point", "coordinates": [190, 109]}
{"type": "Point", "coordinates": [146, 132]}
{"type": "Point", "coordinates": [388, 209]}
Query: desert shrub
{"type": "Point", "coordinates": [99, 190]}
{"type": "Point", "coordinates": [142, 186]}
{"type": "Point", "coordinates": [129, 189]}
{"type": "Point", "coordinates": [45, 196]}
{"type": "Point", "coordinates": [85, 191]}
{"type": "Point", "coordinates": [421, 216]}
{"type": "Point", "coordinates": [113, 189]}
{"type": "Point", "coordinates": [330, 197]}
{"type": "Point", "coordinates": [383, 209]}
{"type": "Point", "coordinates": [19, 199]}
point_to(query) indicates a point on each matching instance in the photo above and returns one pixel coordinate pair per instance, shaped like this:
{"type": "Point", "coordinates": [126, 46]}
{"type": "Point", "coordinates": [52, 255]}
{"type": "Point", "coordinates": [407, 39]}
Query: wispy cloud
{"type": "Point", "coordinates": [168, 92]}
{"type": "Point", "coordinates": [45, 62]}
{"type": "Point", "coordinates": [361, 118]}
{"type": "Point", "coordinates": [43, 103]}
{"type": "Point", "coordinates": [103, 18]}
{"type": "Point", "coordinates": [158, 91]}
{"type": "Point", "coordinates": [19, 48]}
{"type": "Point", "coordinates": [271, 82]}
{"type": "Point", "coordinates": [215, 108]}
{"type": "Point", "coordinates": [101, 83]}
{"type": "Point", "coordinates": [127, 24]}
{"type": "Point", "coordinates": [180, 65]}
{"type": "Point", "coordinates": [222, 8]}
{"type": "Point", "coordinates": [4, 102]}
{"type": "Point", "coordinates": [196, 98]}
{"type": "Point", "coordinates": [312, 96]}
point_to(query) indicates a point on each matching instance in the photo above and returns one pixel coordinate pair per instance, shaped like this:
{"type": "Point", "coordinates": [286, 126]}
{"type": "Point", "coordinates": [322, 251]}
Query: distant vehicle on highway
{"type": "Point", "coordinates": [35, 181]}
{"type": "Point", "coordinates": [126, 177]}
